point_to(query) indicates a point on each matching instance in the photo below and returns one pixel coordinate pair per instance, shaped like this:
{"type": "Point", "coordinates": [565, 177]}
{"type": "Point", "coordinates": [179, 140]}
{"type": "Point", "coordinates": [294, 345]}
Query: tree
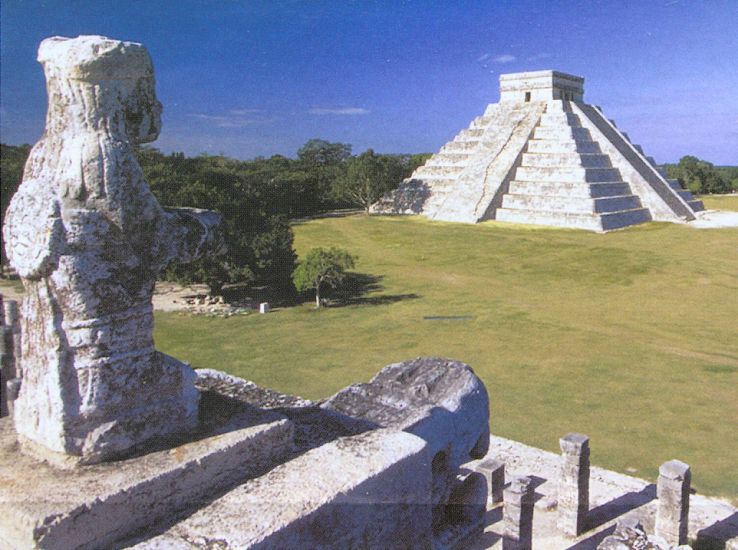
{"type": "Point", "coordinates": [257, 235]}
{"type": "Point", "coordinates": [322, 267]}
{"type": "Point", "coordinates": [370, 176]}
{"type": "Point", "coordinates": [699, 176]}
{"type": "Point", "coordinates": [321, 163]}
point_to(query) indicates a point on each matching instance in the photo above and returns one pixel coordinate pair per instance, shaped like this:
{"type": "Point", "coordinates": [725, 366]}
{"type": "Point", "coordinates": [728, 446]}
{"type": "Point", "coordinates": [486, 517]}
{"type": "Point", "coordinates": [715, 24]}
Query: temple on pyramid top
{"type": "Point", "coordinates": [540, 86]}
{"type": "Point", "coordinates": [542, 156]}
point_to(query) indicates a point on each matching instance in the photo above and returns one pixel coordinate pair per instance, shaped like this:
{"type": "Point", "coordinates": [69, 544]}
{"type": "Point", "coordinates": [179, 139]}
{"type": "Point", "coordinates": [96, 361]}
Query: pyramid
{"type": "Point", "coordinates": [542, 156]}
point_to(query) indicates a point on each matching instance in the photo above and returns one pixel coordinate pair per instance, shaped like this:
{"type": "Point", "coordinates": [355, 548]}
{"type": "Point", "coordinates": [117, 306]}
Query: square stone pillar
{"type": "Point", "coordinates": [672, 491]}
{"type": "Point", "coordinates": [494, 471]}
{"type": "Point", "coordinates": [9, 349]}
{"type": "Point", "coordinates": [517, 515]}
{"type": "Point", "coordinates": [573, 484]}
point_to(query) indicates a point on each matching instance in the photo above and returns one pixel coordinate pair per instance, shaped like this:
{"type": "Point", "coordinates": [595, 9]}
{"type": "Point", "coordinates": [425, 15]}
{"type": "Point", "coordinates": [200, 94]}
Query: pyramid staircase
{"type": "Point", "coordinates": [565, 180]}
{"type": "Point", "coordinates": [686, 194]}
{"type": "Point", "coordinates": [543, 156]}
{"type": "Point", "coordinates": [434, 189]}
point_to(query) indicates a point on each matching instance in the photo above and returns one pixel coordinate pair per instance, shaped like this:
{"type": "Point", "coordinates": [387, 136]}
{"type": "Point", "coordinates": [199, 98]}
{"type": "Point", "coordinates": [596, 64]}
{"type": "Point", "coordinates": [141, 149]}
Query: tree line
{"type": "Point", "coordinates": [700, 176]}
{"type": "Point", "coordinates": [257, 199]}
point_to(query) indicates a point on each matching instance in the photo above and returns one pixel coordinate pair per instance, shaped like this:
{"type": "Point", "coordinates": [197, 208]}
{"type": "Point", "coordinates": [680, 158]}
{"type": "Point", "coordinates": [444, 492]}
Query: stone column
{"type": "Point", "coordinates": [573, 484]}
{"type": "Point", "coordinates": [494, 471]}
{"type": "Point", "coordinates": [9, 348]}
{"type": "Point", "coordinates": [518, 515]}
{"type": "Point", "coordinates": [5, 365]}
{"type": "Point", "coordinates": [672, 491]}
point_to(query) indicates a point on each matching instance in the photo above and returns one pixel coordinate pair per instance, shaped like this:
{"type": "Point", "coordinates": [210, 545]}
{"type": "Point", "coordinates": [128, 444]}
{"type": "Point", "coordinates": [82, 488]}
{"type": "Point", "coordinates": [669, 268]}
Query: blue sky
{"type": "Point", "coordinates": [260, 78]}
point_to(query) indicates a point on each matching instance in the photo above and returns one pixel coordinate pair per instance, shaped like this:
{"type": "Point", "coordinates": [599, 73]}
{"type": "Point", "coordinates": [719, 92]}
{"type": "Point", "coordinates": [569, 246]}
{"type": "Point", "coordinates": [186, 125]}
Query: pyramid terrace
{"type": "Point", "coordinates": [543, 156]}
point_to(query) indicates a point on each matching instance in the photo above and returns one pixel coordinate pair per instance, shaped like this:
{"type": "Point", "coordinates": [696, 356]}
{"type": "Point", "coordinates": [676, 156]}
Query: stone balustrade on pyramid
{"type": "Point", "coordinates": [542, 156]}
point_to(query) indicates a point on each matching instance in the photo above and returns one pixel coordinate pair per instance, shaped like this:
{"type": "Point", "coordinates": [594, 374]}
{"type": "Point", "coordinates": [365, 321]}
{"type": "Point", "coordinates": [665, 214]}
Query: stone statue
{"type": "Point", "coordinates": [88, 238]}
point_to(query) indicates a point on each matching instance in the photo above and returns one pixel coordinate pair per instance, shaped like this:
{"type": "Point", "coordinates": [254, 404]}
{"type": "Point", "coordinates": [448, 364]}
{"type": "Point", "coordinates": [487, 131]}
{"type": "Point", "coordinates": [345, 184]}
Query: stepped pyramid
{"type": "Point", "coordinates": [542, 156]}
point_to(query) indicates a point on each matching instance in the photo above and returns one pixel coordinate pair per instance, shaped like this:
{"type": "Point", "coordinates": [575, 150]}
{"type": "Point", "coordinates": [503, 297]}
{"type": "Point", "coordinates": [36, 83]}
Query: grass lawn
{"type": "Point", "coordinates": [720, 202]}
{"type": "Point", "coordinates": [629, 337]}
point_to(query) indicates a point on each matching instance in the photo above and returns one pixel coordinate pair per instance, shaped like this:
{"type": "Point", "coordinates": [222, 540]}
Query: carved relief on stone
{"type": "Point", "coordinates": [88, 239]}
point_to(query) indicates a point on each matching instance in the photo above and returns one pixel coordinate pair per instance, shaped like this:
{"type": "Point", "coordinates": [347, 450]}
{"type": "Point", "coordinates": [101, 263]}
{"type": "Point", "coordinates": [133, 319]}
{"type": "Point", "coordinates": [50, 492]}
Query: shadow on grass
{"type": "Point", "coordinates": [357, 286]}
{"type": "Point", "coordinates": [340, 213]}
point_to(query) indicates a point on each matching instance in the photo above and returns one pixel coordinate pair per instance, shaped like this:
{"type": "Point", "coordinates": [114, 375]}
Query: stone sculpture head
{"type": "Point", "coordinates": [114, 76]}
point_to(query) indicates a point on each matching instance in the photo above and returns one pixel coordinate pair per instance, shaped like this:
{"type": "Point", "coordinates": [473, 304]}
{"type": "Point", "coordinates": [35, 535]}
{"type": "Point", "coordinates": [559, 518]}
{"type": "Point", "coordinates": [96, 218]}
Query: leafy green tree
{"type": "Point", "coordinates": [370, 176]}
{"type": "Point", "coordinates": [322, 267]}
{"type": "Point", "coordinates": [699, 176]}
{"type": "Point", "coordinates": [321, 163]}
{"type": "Point", "coordinates": [318, 152]}
{"type": "Point", "coordinates": [257, 235]}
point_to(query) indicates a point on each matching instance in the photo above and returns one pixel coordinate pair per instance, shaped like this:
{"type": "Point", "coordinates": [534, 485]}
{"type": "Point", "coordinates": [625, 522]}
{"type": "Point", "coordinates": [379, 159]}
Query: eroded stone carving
{"type": "Point", "coordinates": [88, 239]}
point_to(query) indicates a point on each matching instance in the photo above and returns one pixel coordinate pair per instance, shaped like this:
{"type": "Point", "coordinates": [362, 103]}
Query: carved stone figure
{"type": "Point", "coordinates": [88, 238]}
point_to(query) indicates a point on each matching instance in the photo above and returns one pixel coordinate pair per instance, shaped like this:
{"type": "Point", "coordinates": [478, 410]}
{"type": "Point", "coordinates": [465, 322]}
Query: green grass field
{"type": "Point", "coordinates": [720, 202]}
{"type": "Point", "coordinates": [629, 336]}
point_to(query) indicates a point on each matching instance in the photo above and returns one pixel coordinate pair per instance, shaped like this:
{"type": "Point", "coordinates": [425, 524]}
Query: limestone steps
{"type": "Point", "coordinates": [455, 147]}
{"type": "Point", "coordinates": [435, 171]}
{"type": "Point", "coordinates": [558, 118]}
{"type": "Point", "coordinates": [562, 133]}
{"type": "Point", "coordinates": [565, 173]}
{"type": "Point", "coordinates": [481, 122]}
{"type": "Point", "coordinates": [576, 189]}
{"type": "Point", "coordinates": [584, 205]}
{"type": "Point", "coordinates": [592, 222]}
{"type": "Point", "coordinates": [573, 159]}
{"type": "Point", "coordinates": [696, 205]}
{"type": "Point", "coordinates": [447, 159]}
{"type": "Point", "coordinates": [470, 134]}
{"type": "Point", "coordinates": [557, 146]}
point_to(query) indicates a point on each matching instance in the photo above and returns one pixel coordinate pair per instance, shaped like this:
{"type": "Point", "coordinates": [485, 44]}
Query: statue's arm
{"type": "Point", "coordinates": [192, 233]}
{"type": "Point", "coordinates": [33, 232]}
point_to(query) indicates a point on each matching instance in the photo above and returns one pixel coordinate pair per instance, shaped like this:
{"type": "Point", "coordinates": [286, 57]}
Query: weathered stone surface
{"type": "Point", "coordinates": [672, 491]}
{"type": "Point", "coordinates": [494, 472]}
{"type": "Point", "coordinates": [630, 535]}
{"type": "Point", "coordinates": [88, 238]}
{"type": "Point", "coordinates": [367, 491]}
{"type": "Point", "coordinates": [439, 400]}
{"type": "Point", "coordinates": [517, 515]}
{"type": "Point", "coordinates": [95, 506]}
{"type": "Point", "coordinates": [573, 495]}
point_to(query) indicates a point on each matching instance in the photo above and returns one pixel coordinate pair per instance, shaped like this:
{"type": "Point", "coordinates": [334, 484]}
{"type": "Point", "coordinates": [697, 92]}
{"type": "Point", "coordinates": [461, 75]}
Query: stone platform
{"type": "Point", "coordinates": [334, 496]}
{"type": "Point", "coordinates": [94, 506]}
{"type": "Point", "coordinates": [613, 497]}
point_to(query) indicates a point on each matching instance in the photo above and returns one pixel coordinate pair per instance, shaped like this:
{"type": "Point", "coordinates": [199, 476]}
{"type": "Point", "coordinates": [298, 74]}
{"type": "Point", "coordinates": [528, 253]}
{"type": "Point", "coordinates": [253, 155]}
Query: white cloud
{"type": "Point", "coordinates": [505, 58]}
{"type": "Point", "coordinates": [242, 112]}
{"type": "Point", "coordinates": [483, 57]}
{"type": "Point", "coordinates": [235, 119]}
{"type": "Point", "coordinates": [338, 111]}
{"type": "Point", "coordinates": [539, 56]}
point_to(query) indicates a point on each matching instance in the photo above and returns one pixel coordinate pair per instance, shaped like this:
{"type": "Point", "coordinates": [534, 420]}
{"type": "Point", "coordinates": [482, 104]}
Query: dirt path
{"type": "Point", "coordinates": [167, 296]}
